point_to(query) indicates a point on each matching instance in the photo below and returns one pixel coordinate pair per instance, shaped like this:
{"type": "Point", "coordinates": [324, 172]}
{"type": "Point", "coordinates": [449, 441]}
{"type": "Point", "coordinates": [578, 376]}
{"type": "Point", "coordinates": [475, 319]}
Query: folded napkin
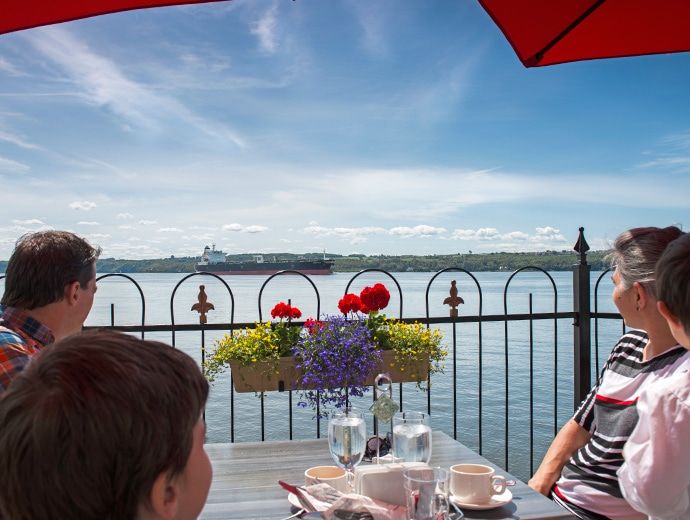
{"type": "Point", "coordinates": [359, 507]}
{"type": "Point", "coordinates": [338, 506]}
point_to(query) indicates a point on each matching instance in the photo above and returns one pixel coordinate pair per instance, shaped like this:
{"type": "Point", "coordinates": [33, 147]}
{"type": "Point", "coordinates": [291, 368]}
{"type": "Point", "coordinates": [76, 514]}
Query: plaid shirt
{"type": "Point", "coordinates": [21, 337]}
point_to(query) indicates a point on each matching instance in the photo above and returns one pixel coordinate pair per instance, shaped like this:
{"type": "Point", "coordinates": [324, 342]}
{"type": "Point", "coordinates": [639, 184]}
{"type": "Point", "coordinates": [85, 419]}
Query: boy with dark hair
{"type": "Point", "coordinates": [50, 283]}
{"type": "Point", "coordinates": [655, 478]}
{"type": "Point", "coordinates": [105, 426]}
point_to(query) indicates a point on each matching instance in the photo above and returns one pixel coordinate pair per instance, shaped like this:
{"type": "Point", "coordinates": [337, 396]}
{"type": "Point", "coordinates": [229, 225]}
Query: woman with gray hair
{"type": "Point", "coordinates": [579, 469]}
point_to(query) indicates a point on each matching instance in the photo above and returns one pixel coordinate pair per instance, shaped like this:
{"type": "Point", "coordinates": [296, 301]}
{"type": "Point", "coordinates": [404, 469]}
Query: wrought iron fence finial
{"type": "Point", "coordinates": [581, 246]}
{"type": "Point", "coordinates": [453, 300]}
{"type": "Point", "coordinates": [203, 305]}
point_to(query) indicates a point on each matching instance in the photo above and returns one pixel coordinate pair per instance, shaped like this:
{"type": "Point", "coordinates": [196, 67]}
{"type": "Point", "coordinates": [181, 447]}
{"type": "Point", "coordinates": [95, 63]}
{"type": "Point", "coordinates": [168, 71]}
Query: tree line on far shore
{"type": "Point", "coordinates": [547, 260]}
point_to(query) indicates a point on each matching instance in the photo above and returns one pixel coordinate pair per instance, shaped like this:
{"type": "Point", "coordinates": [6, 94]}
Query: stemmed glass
{"type": "Point", "coordinates": [347, 434]}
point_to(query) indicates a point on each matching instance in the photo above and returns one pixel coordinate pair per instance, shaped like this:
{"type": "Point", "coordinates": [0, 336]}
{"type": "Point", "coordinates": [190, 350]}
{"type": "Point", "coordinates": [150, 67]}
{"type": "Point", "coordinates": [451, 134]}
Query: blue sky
{"type": "Point", "coordinates": [357, 127]}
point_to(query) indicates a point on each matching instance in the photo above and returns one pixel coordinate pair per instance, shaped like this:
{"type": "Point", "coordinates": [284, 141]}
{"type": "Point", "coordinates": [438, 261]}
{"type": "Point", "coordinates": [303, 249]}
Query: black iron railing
{"type": "Point", "coordinates": [581, 317]}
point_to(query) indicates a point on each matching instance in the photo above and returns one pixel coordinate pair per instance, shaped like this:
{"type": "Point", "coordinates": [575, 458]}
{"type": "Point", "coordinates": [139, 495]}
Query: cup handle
{"type": "Point", "coordinates": [498, 485]}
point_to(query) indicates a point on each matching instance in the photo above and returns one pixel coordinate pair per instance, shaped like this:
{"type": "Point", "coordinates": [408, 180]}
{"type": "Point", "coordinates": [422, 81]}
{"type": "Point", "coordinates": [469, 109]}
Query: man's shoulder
{"type": "Point", "coordinates": [10, 337]}
{"type": "Point", "coordinates": [675, 387]}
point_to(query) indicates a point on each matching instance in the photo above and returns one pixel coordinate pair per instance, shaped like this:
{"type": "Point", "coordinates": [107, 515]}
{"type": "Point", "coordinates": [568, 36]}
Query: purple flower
{"type": "Point", "coordinates": [336, 360]}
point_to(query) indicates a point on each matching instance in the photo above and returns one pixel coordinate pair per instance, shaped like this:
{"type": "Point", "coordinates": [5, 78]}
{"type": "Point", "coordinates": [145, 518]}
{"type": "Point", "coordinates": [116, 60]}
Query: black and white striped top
{"type": "Point", "coordinates": [589, 479]}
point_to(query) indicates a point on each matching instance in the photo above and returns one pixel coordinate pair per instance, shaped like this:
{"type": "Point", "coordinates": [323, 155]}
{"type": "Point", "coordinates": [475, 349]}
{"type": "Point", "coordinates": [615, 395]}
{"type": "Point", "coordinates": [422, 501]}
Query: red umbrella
{"type": "Point", "coordinates": [545, 32]}
{"type": "Point", "coordinates": [23, 14]}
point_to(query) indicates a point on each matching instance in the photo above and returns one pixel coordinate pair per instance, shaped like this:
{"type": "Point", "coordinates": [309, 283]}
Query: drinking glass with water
{"type": "Point", "coordinates": [412, 437]}
{"type": "Point", "coordinates": [426, 493]}
{"type": "Point", "coordinates": [347, 434]}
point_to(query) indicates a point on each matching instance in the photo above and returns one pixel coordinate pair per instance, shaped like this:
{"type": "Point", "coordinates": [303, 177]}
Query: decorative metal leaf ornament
{"type": "Point", "coordinates": [384, 408]}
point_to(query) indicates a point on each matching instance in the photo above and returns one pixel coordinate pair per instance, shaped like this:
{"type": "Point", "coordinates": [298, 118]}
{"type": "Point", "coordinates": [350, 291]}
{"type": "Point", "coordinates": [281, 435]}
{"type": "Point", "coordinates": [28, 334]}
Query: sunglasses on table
{"type": "Point", "coordinates": [382, 443]}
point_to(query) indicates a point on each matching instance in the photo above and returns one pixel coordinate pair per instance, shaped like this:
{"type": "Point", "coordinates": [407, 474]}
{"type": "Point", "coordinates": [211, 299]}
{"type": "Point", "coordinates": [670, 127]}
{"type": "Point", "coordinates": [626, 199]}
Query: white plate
{"type": "Point", "coordinates": [496, 501]}
{"type": "Point", "coordinates": [294, 501]}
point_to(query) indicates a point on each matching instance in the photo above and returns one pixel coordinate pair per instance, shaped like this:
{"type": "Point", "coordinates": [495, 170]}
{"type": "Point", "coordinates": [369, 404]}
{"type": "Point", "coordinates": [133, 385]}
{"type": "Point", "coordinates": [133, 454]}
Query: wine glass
{"type": "Point", "coordinates": [347, 434]}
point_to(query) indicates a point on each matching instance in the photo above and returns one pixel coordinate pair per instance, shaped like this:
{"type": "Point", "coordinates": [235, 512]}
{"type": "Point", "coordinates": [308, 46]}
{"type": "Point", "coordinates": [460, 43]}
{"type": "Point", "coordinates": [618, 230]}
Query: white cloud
{"type": "Point", "coordinates": [354, 235]}
{"type": "Point", "coordinates": [516, 235]}
{"type": "Point", "coordinates": [9, 68]}
{"type": "Point", "coordinates": [125, 227]}
{"type": "Point", "coordinates": [169, 230]}
{"type": "Point", "coordinates": [203, 228]}
{"type": "Point", "coordinates": [543, 235]}
{"type": "Point", "coordinates": [478, 234]}
{"type": "Point", "coordinates": [421, 231]}
{"type": "Point", "coordinates": [83, 205]}
{"type": "Point", "coordinates": [88, 223]}
{"type": "Point", "coordinates": [265, 30]}
{"type": "Point", "coordinates": [255, 229]}
{"type": "Point", "coordinates": [29, 222]}
{"type": "Point", "coordinates": [148, 222]}
{"type": "Point", "coordinates": [9, 165]}
{"type": "Point", "coordinates": [17, 140]}
{"type": "Point", "coordinates": [124, 216]}
{"type": "Point", "coordinates": [548, 233]}
{"type": "Point", "coordinates": [373, 23]}
{"type": "Point", "coordinates": [239, 228]}
{"type": "Point", "coordinates": [677, 140]}
{"type": "Point", "coordinates": [103, 83]}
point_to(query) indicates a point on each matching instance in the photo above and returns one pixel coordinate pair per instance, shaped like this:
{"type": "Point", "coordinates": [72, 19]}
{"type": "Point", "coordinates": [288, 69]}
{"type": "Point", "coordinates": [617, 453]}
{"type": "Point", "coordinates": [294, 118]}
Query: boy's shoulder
{"type": "Point", "coordinates": [674, 387]}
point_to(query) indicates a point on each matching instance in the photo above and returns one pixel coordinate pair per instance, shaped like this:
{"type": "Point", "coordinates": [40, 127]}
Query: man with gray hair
{"type": "Point", "coordinates": [50, 282]}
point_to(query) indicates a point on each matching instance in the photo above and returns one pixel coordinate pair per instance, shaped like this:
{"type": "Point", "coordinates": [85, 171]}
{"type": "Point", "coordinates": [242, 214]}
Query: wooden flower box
{"type": "Point", "coordinates": [264, 376]}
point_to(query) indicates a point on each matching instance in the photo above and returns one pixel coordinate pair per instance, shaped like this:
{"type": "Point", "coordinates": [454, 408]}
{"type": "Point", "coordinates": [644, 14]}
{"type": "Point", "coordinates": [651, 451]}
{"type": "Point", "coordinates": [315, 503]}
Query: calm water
{"type": "Point", "coordinates": [548, 338]}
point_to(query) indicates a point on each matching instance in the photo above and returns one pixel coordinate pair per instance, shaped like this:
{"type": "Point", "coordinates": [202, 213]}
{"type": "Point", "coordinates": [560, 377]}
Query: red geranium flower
{"type": "Point", "coordinates": [350, 303]}
{"type": "Point", "coordinates": [283, 310]}
{"type": "Point", "coordinates": [312, 325]}
{"type": "Point", "coordinates": [375, 298]}
{"type": "Point", "coordinates": [279, 310]}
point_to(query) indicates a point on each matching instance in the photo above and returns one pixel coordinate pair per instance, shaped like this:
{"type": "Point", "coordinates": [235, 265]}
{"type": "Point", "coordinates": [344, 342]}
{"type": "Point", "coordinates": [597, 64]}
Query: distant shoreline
{"type": "Point", "coordinates": [476, 262]}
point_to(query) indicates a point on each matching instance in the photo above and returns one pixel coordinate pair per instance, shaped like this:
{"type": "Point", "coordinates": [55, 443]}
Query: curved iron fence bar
{"type": "Point", "coordinates": [383, 271]}
{"type": "Point", "coordinates": [318, 315]}
{"type": "Point", "coordinates": [203, 328]}
{"type": "Point", "coordinates": [395, 281]}
{"type": "Point", "coordinates": [141, 295]}
{"type": "Point", "coordinates": [172, 301]}
{"type": "Point", "coordinates": [454, 321]}
{"type": "Point", "coordinates": [291, 271]}
{"type": "Point", "coordinates": [1, 277]}
{"type": "Point", "coordinates": [596, 321]}
{"type": "Point", "coordinates": [555, 356]}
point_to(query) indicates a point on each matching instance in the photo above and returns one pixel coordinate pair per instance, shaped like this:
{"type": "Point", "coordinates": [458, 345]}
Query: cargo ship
{"type": "Point", "coordinates": [215, 261]}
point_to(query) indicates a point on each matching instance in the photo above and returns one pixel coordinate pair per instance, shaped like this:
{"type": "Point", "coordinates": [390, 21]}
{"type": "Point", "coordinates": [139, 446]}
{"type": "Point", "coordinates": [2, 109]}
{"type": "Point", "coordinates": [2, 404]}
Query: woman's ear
{"type": "Point", "coordinates": [642, 296]}
{"type": "Point", "coordinates": [164, 496]}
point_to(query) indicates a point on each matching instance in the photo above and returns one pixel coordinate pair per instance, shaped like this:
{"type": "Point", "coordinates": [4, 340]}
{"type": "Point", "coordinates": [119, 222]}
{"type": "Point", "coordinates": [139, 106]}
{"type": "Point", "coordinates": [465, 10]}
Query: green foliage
{"type": "Point", "coordinates": [548, 260]}
{"type": "Point", "coordinates": [413, 342]}
{"type": "Point", "coordinates": [266, 342]}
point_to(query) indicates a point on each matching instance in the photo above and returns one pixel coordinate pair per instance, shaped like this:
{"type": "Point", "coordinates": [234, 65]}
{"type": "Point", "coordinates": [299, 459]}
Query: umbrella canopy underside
{"type": "Point", "coordinates": [546, 32]}
{"type": "Point", "coordinates": [24, 14]}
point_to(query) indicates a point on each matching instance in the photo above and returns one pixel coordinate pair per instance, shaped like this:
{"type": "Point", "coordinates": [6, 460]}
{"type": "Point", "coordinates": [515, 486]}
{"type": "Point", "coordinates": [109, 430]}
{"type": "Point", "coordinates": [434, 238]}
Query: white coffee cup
{"type": "Point", "coordinates": [475, 483]}
{"type": "Point", "coordinates": [331, 475]}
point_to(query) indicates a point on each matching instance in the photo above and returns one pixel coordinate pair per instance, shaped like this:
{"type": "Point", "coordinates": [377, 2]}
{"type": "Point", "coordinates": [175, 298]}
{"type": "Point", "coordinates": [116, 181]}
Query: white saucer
{"type": "Point", "coordinates": [294, 501]}
{"type": "Point", "coordinates": [496, 501]}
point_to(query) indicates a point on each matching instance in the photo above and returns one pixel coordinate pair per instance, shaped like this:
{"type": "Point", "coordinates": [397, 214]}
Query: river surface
{"type": "Point", "coordinates": [548, 338]}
